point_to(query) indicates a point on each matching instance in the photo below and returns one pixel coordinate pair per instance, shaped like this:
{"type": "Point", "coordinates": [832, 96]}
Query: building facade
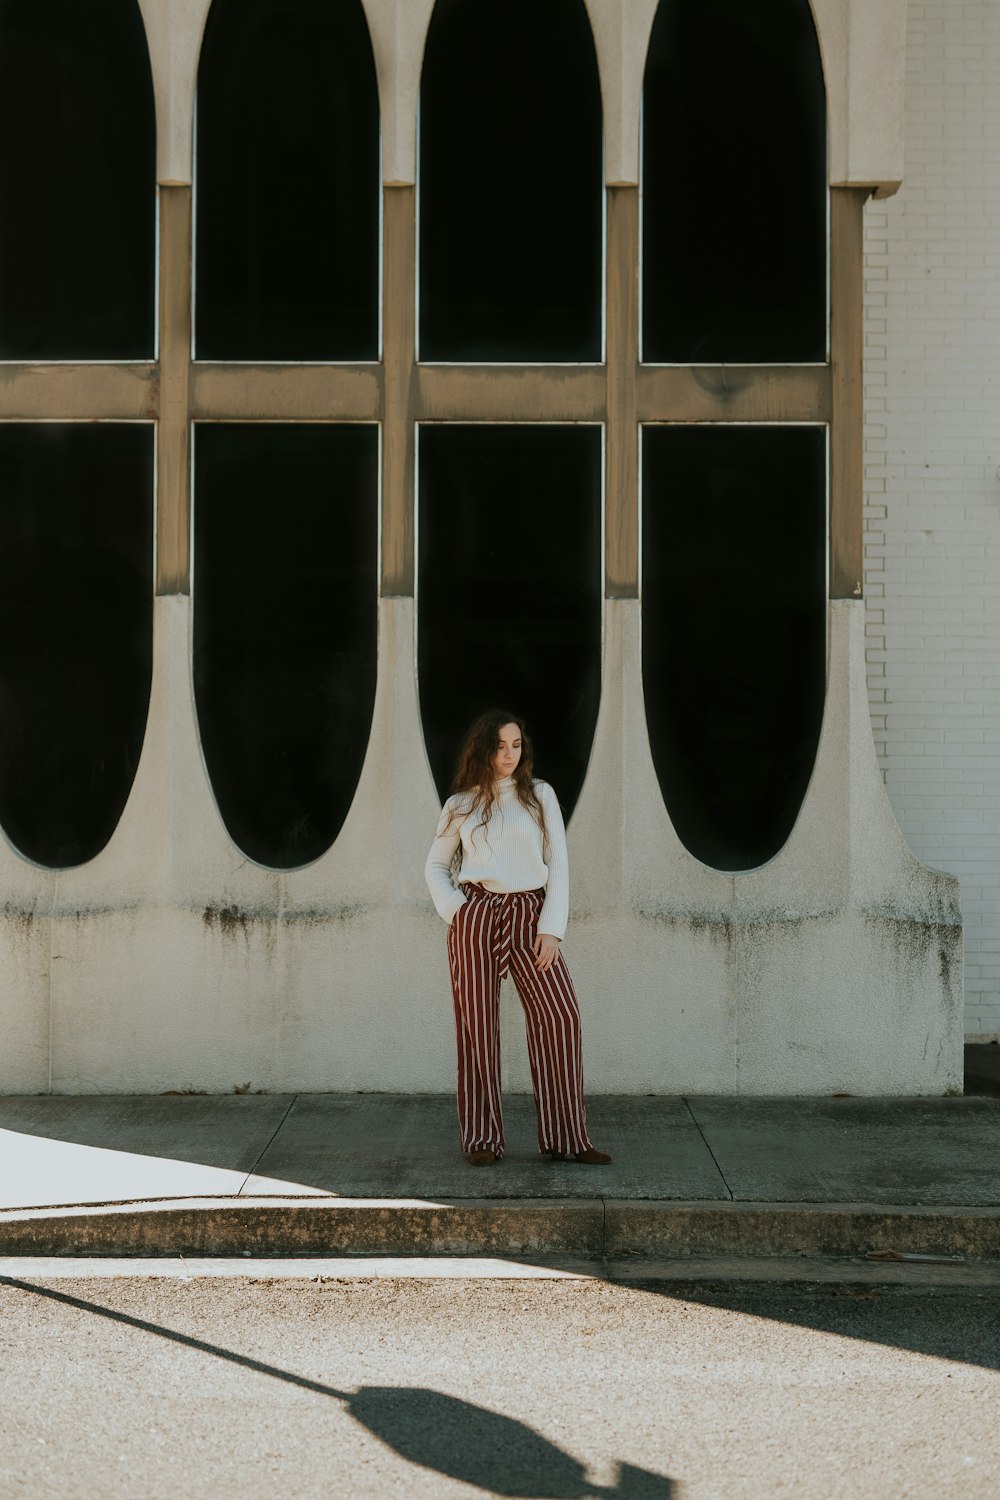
{"type": "Point", "coordinates": [506, 349]}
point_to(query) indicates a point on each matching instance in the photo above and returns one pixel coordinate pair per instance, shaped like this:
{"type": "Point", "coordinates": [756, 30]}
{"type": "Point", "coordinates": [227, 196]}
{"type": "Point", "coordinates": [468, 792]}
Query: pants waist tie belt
{"type": "Point", "coordinates": [506, 907]}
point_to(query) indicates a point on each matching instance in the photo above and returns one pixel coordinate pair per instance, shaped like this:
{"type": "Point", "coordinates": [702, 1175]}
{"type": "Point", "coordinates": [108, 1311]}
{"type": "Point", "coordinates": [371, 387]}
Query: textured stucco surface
{"type": "Point", "coordinates": [172, 961]}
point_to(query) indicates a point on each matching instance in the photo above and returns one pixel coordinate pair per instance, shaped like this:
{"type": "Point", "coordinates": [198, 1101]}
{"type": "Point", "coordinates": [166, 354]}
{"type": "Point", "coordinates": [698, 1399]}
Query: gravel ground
{"type": "Point", "coordinates": [454, 1388]}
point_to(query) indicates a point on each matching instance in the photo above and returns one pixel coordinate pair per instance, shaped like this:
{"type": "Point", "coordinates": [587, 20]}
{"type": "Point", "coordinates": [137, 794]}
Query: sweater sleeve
{"type": "Point", "coordinates": [555, 908]}
{"type": "Point", "coordinates": [437, 870]}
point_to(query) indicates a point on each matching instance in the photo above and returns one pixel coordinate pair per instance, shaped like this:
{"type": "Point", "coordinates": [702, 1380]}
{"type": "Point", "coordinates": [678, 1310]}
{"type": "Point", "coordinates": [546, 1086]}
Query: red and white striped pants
{"type": "Point", "coordinates": [489, 937]}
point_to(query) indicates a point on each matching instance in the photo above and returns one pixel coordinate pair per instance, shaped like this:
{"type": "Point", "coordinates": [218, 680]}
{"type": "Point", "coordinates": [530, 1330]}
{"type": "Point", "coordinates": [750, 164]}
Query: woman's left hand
{"type": "Point", "coordinates": [546, 950]}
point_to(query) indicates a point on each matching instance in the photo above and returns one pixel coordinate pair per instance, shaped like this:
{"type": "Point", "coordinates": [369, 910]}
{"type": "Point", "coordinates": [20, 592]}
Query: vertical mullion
{"type": "Point", "coordinates": [847, 412]}
{"type": "Point", "coordinates": [622, 471]}
{"type": "Point", "coordinates": [173, 475]}
{"type": "Point", "coordinates": [399, 343]}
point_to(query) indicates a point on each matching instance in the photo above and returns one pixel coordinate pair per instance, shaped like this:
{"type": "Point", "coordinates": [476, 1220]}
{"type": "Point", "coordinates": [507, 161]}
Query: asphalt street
{"type": "Point", "coordinates": [239, 1386]}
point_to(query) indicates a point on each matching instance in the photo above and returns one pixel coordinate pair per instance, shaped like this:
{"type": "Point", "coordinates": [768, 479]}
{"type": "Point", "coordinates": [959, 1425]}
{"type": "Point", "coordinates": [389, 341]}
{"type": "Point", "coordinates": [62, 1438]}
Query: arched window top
{"type": "Point", "coordinates": [510, 183]}
{"type": "Point", "coordinates": [77, 181]}
{"type": "Point", "coordinates": [287, 183]}
{"type": "Point", "coordinates": [734, 184]}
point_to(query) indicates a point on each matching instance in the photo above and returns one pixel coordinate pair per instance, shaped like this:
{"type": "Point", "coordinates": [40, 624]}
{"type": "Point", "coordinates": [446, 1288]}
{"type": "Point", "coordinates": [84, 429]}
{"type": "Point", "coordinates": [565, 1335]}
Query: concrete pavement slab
{"type": "Point", "coordinates": [101, 1149]}
{"type": "Point", "coordinates": [388, 1145]}
{"type": "Point", "coordinates": [329, 1174]}
{"type": "Point", "coordinates": [876, 1150]}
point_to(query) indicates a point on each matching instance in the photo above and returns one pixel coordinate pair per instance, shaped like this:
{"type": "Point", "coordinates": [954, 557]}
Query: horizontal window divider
{"type": "Point", "coordinates": [444, 393]}
{"type": "Point", "coordinates": [511, 393]}
{"type": "Point", "coordinates": [79, 392]}
{"type": "Point", "coordinates": [286, 393]}
{"type": "Point", "coordinates": [733, 393]}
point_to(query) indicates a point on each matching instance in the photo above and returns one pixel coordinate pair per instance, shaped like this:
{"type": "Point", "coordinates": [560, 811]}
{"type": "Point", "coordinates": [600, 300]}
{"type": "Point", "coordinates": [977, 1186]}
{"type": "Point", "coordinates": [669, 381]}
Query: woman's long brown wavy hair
{"type": "Point", "coordinates": [474, 771]}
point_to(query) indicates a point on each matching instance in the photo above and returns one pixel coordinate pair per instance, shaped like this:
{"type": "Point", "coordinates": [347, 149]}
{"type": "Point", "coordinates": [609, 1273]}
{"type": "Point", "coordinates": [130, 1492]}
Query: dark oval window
{"type": "Point", "coordinates": [287, 183]}
{"type": "Point", "coordinates": [734, 184]}
{"type": "Point", "coordinates": [510, 183]}
{"type": "Point", "coordinates": [76, 631]}
{"type": "Point", "coordinates": [509, 590]}
{"type": "Point", "coordinates": [733, 630]}
{"type": "Point", "coordinates": [77, 181]}
{"type": "Point", "coordinates": [285, 539]}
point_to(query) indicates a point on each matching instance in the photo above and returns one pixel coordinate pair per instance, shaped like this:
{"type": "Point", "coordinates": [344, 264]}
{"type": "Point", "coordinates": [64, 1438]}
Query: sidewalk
{"type": "Point", "coordinates": [348, 1174]}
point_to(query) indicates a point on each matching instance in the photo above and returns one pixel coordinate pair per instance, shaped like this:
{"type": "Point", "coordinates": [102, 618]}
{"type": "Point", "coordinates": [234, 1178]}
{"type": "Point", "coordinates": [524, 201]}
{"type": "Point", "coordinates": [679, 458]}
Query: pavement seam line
{"type": "Point", "coordinates": [267, 1145]}
{"type": "Point", "coordinates": [708, 1148]}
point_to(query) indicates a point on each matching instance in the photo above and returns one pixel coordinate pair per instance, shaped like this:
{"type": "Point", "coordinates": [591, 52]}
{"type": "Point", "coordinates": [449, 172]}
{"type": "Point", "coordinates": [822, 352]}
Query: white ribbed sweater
{"type": "Point", "coordinates": [508, 856]}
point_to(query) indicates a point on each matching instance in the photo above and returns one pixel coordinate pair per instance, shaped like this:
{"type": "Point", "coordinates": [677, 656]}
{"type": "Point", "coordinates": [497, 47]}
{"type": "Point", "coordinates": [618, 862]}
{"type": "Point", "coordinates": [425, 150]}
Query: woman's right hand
{"type": "Point", "coordinates": [546, 950]}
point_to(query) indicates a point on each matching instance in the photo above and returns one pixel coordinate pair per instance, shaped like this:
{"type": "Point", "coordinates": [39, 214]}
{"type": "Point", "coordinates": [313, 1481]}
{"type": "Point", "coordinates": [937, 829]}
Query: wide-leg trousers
{"type": "Point", "coordinates": [489, 937]}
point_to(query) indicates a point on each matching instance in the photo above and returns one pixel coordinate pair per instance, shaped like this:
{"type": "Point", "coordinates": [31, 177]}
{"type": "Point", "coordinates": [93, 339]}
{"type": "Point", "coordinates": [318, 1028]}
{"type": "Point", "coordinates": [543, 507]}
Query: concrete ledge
{"type": "Point", "coordinates": [513, 1227]}
{"type": "Point", "coordinates": [673, 1229]}
{"type": "Point", "coordinates": [307, 1226]}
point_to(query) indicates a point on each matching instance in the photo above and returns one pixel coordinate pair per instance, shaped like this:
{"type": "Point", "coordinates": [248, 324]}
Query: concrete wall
{"type": "Point", "coordinates": [172, 961]}
{"type": "Point", "coordinates": [932, 399]}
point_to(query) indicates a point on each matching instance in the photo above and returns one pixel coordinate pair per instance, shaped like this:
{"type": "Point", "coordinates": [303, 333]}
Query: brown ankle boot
{"type": "Point", "coordinates": [593, 1158]}
{"type": "Point", "coordinates": [590, 1158]}
{"type": "Point", "coordinates": [483, 1158]}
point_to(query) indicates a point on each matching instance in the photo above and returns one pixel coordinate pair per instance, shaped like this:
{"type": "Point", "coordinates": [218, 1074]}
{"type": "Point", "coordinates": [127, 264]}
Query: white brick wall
{"type": "Point", "coordinates": [932, 448]}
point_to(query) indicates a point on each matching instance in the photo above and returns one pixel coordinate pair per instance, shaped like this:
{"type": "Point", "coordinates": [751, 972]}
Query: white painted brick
{"type": "Point", "coordinates": [931, 447]}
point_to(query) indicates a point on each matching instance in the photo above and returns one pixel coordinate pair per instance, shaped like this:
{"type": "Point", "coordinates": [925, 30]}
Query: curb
{"type": "Point", "coordinates": [590, 1228]}
{"type": "Point", "coordinates": [672, 1229]}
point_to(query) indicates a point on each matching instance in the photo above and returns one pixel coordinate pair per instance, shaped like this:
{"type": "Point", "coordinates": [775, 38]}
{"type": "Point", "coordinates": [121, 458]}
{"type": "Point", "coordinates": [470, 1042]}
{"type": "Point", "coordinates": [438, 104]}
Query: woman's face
{"type": "Point", "coordinates": [508, 751]}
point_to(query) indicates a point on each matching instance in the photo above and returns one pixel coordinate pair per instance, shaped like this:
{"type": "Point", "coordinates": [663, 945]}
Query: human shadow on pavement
{"type": "Point", "coordinates": [456, 1438]}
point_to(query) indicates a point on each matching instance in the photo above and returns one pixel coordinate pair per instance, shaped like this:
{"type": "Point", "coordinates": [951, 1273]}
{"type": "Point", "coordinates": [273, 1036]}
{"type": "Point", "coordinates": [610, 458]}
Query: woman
{"type": "Point", "coordinates": [499, 876]}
